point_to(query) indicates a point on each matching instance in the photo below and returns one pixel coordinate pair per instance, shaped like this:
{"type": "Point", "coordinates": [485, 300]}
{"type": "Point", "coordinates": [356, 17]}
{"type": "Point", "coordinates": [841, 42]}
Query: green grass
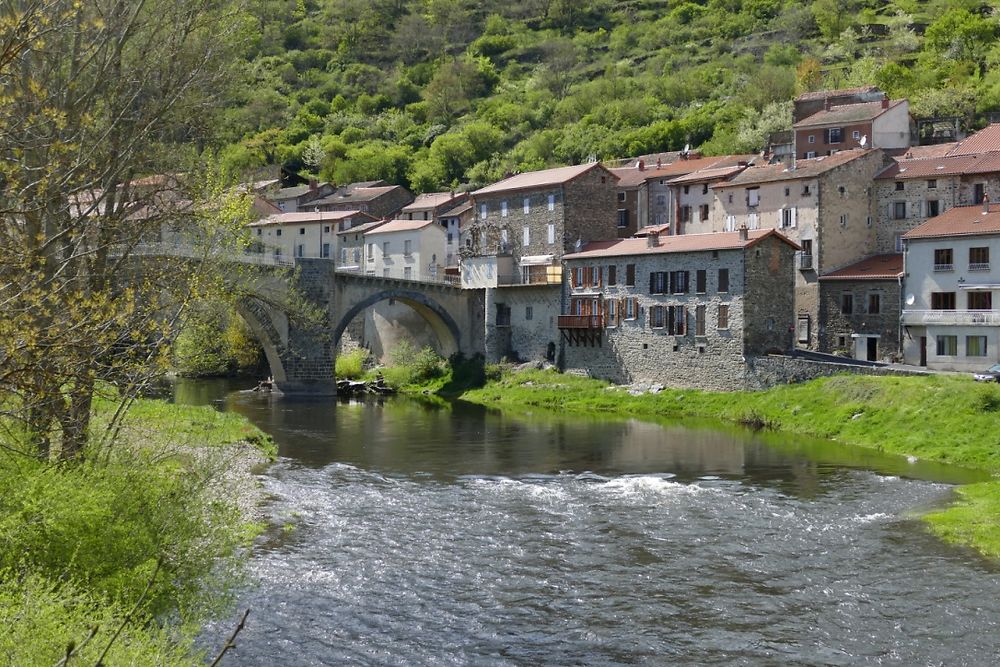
{"type": "Point", "coordinates": [351, 366]}
{"type": "Point", "coordinates": [949, 419]}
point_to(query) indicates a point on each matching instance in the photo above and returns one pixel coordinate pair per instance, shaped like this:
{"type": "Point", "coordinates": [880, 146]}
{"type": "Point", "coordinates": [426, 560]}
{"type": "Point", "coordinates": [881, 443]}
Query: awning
{"type": "Point", "coordinates": [537, 260]}
{"type": "Point", "coordinates": [982, 286]}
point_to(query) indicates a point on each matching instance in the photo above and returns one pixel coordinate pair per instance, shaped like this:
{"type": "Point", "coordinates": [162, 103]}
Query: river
{"type": "Point", "coordinates": [405, 534]}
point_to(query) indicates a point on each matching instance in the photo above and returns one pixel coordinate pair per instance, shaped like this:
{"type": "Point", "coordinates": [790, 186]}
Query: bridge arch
{"type": "Point", "coordinates": [264, 328]}
{"type": "Point", "coordinates": [448, 333]}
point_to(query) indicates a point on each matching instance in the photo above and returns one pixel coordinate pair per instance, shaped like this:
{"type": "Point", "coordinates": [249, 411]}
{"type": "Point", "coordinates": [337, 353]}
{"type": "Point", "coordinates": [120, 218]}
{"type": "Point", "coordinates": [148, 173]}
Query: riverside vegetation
{"type": "Point", "coordinates": [950, 419]}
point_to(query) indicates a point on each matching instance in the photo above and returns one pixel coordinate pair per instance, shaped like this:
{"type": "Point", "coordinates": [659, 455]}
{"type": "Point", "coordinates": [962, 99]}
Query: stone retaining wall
{"type": "Point", "coordinates": [770, 371]}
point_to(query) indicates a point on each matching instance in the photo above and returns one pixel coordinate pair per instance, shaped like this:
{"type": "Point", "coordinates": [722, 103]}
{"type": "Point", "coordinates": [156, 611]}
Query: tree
{"type": "Point", "coordinates": [100, 100]}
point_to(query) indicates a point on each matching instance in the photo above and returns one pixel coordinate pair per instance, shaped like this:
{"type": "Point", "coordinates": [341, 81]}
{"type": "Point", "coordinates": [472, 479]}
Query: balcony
{"type": "Point", "coordinates": [951, 317]}
{"type": "Point", "coordinates": [581, 321]}
{"type": "Point", "coordinates": [805, 262]}
{"type": "Point", "coordinates": [941, 268]}
{"type": "Point", "coordinates": [979, 266]}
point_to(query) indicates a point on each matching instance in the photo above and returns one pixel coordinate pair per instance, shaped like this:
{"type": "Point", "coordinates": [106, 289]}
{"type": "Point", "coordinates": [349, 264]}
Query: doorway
{"type": "Point", "coordinates": [923, 350]}
{"type": "Point", "coordinates": [872, 348]}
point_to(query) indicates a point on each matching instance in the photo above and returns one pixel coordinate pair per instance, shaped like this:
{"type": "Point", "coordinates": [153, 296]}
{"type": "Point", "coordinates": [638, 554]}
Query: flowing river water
{"type": "Point", "coordinates": [405, 534]}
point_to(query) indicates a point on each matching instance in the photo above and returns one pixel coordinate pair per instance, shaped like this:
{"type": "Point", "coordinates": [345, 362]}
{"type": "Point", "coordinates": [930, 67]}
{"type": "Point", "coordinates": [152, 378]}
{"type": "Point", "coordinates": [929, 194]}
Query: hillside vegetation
{"type": "Point", "coordinates": [434, 93]}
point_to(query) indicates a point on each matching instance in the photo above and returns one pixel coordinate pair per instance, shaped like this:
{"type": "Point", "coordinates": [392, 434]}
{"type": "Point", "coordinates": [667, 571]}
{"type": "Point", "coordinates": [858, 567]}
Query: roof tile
{"type": "Point", "coordinates": [671, 244]}
{"type": "Point", "coordinates": [878, 267]}
{"type": "Point", "coordinates": [959, 221]}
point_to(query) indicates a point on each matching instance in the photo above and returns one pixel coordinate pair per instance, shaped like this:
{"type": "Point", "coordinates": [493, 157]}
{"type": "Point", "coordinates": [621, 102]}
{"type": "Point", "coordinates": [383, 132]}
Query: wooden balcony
{"type": "Point", "coordinates": [581, 322]}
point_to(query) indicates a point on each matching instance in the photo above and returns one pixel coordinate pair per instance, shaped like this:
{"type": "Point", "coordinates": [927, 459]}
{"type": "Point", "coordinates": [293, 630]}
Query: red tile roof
{"type": "Point", "coordinates": [983, 141]}
{"type": "Point", "coordinates": [431, 200]}
{"type": "Point", "coordinates": [655, 229]}
{"type": "Point", "coordinates": [401, 226]}
{"type": "Point", "coordinates": [682, 243]}
{"type": "Point", "coordinates": [361, 229]}
{"type": "Point", "coordinates": [951, 165]}
{"type": "Point", "coordinates": [303, 217]}
{"type": "Point", "coordinates": [879, 267]}
{"type": "Point", "coordinates": [959, 221]}
{"type": "Point", "coordinates": [539, 179]}
{"type": "Point", "coordinates": [809, 168]}
{"type": "Point", "coordinates": [842, 114]}
{"type": "Point", "coordinates": [705, 175]}
{"type": "Point", "coordinates": [632, 177]}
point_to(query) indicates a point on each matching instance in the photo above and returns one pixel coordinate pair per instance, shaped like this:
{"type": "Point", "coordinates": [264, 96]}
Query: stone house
{"type": "Point", "coordinates": [536, 217]}
{"type": "Point", "coordinates": [455, 221]}
{"type": "Point", "coordinates": [685, 311]}
{"type": "Point", "coordinates": [304, 233]}
{"type": "Point", "coordinates": [295, 198]}
{"type": "Point", "coordinates": [376, 198]}
{"type": "Point", "coordinates": [807, 104]}
{"type": "Point", "coordinates": [431, 205]}
{"type": "Point", "coordinates": [351, 246]}
{"type": "Point", "coordinates": [694, 197]}
{"type": "Point", "coordinates": [926, 181]}
{"type": "Point", "coordinates": [860, 307]}
{"type": "Point", "coordinates": [823, 204]}
{"type": "Point", "coordinates": [949, 319]}
{"type": "Point", "coordinates": [883, 124]}
{"type": "Point", "coordinates": [407, 249]}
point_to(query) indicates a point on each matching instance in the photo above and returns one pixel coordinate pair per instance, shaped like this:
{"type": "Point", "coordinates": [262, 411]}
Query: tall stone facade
{"type": "Point", "coordinates": [861, 318]}
{"type": "Point", "coordinates": [737, 302]}
{"type": "Point", "coordinates": [530, 314]}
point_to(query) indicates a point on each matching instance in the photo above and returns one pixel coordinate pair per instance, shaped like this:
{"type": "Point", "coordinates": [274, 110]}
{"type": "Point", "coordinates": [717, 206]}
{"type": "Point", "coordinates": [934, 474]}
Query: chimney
{"type": "Point", "coordinates": [744, 233]}
{"type": "Point", "coordinates": [986, 203]}
{"type": "Point", "coordinates": [652, 239]}
{"type": "Point", "coordinates": [885, 102]}
{"type": "Point", "coordinates": [313, 185]}
{"type": "Point", "coordinates": [641, 165]}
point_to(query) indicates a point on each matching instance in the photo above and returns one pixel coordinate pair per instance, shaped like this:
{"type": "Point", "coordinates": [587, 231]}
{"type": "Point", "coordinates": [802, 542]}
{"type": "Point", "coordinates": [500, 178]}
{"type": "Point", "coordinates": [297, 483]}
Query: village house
{"type": "Point", "coordinates": [882, 124]}
{"type": "Point", "coordinates": [823, 204]}
{"type": "Point", "coordinates": [810, 103]}
{"type": "Point", "coordinates": [295, 198]}
{"type": "Point", "coordinates": [376, 198]}
{"type": "Point", "coordinates": [431, 205]}
{"type": "Point", "coordinates": [859, 306]}
{"type": "Point", "coordinates": [684, 311]}
{"type": "Point", "coordinates": [694, 197]}
{"type": "Point", "coordinates": [302, 234]}
{"type": "Point", "coordinates": [407, 249]}
{"type": "Point", "coordinates": [926, 181]}
{"type": "Point", "coordinates": [524, 224]}
{"type": "Point", "coordinates": [351, 246]}
{"type": "Point", "coordinates": [949, 320]}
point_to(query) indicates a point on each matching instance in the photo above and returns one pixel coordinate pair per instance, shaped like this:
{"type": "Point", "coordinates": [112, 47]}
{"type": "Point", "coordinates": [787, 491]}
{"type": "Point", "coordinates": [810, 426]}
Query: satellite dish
{"type": "Point", "coordinates": [864, 140]}
{"type": "Point", "coordinates": [687, 148]}
{"type": "Point", "coordinates": [910, 299]}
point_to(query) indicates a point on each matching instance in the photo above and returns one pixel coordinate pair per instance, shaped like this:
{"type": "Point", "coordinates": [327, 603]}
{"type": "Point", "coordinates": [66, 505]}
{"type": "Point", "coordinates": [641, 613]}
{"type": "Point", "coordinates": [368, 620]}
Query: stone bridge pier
{"type": "Point", "coordinates": [301, 352]}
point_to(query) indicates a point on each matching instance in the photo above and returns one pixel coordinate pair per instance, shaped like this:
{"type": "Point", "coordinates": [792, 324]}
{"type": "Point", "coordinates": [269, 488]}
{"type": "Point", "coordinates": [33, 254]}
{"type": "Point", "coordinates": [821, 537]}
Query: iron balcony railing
{"type": "Point", "coordinates": [952, 317]}
{"type": "Point", "coordinates": [805, 262]}
{"type": "Point", "coordinates": [944, 267]}
{"type": "Point", "coordinates": [581, 322]}
{"type": "Point", "coordinates": [979, 266]}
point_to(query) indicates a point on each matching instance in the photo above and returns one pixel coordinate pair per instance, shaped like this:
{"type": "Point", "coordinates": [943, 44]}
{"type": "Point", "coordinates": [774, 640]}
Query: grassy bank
{"type": "Point", "coordinates": [941, 418]}
{"type": "Point", "coordinates": [147, 536]}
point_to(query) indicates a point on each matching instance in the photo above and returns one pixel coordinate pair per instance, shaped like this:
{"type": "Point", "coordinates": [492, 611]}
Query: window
{"type": "Point", "coordinates": [385, 248]}
{"type": "Point", "coordinates": [504, 239]}
{"type": "Point", "coordinates": [979, 191]}
{"type": "Point", "coordinates": [699, 321]}
{"type": "Point", "coordinates": [809, 155]}
{"type": "Point", "coordinates": [621, 196]}
{"type": "Point", "coordinates": [503, 315]}
{"type": "Point", "coordinates": [679, 282]}
{"type": "Point", "coordinates": [595, 276]}
{"type": "Point", "coordinates": [408, 272]}
{"type": "Point", "coordinates": [613, 274]}
{"type": "Point", "coordinates": [932, 208]}
{"type": "Point", "coordinates": [900, 186]}
{"type": "Point", "coordinates": [685, 214]}
{"type": "Point", "coordinates": [658, 283]}
{"type": "Point", "coordinates": [856, 134]}
{"type": "Point", "coordinates": [551, 233]}
{"type": "Point", "coordinates": [834, 135]}
{"type": "Point", "coordinates": [343, 255]}
{"type": "Point", "coordinates": [503, 209]}
{"type": "Point", "coordinates": [944, 259]}
{"type": "Point", "coordinates": [326, 250]}
{"type": "Point", "coordinates": [661, 200]}
{"type": "Point", "coordinates": [611, 310]}
{"type": "Point", "coordinates": [371, 251]}
{"type": "Point", "coordinates": [980, 301]}
{"type": "Point", "coordinates": [623, 217]}
{"type": "Point", "coordinates": [701, 279]}
{"type": "Point", "coordinates": [671, 318]}
{"type": "Point", "coordinates": [802, 328]}
{"type": "Point", "coordinates": [259, 230]}
{"type": "Point", "coordinates": [979, 259]}
{"type": "Point", "coordinates": [975, 346]}
{"type": "Point", "coordinates": [899, 210]}
{"type": "Point", "coordinates": [703, 212]}
{"type": "Point", "coordinates": [552, 202]}
{"type": "Point", "coordinates": [788, 217]}
{"type": "Point", "coordinates": [529, 312]}
{"type": "Point", "coordinates": [723, 319]}
{"type": "Point", "coordinates": [630, 275]}
{"type": "Point", "coordinates": [942, 301]}
{"type": "Point", "coordinates": [753, 196]}
{"type": "Point", "coordinates": [277, 232]}
{"type": "Point", "coordinates": [874, 303]}
{"type": "Point", "coordinates": [302, 230]}
{"type": "Point", "coordinates": [687, 189]}
{"type": "Point", "coordinates": [812, 138]}
{"type": "Point", "coordinates": [704, 189]}
{"type": "Point", "coordinates": [788, 191]}
{"type": "Point", "coordinates": [723, 280]}
{"type": "Point", "coordinates": [326, 229]}
{"type": "Point", "coordinates": [408, 247]}
{"type": "Point", "coordinates": [482, 211]}
{"type": "Point", "coordinates": [847, 303]}
{"type": "Point", "coordinates": [806, 190]}
{"type": "Point", "coordinates": [657, 317]}
{"type": "Point", "coordinates": [527, 205]}
{"type": "Point", "coordinates": [385, 273]}
{"type": "Point", "coordinates": [300, 250]}
{"type": "Point", "coordinates": [932, 184]}
{"type": "Point", "coordinates": [578, 278]}
{"type": "Point", "coordinates": [898, 242]}
{"type": "Point", "coordinates": [526, 236]}
{"type": "Point", "coordinates": [947, 346]}
{"type": "Point", "coordinates": [631, 309]}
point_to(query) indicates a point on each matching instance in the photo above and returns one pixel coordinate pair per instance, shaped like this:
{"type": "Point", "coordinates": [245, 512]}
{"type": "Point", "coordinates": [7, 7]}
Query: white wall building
{"type": "Point", "coordinates": [303, 234]}
{"type": "Point", "coordinates": [950, 320]}
{"type": "Point", "coordinates": [407, 249]}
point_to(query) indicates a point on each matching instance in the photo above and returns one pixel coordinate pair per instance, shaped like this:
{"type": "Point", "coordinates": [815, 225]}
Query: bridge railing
{"type": "Point", "coordinates": [197, 252]}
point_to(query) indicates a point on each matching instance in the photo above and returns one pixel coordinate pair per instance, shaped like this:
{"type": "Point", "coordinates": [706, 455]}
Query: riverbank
{"type": "Point", "coordinates": [146, 537]}
{"type": "Point", "coordinates": [949, 419]}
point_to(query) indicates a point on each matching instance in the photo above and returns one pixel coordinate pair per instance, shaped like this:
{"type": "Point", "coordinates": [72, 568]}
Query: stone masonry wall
{"type": "Point", "coordinates": [533, 313]}
{"type": "Point", "coordinates": [764, 372]}
{"type": "Point", "coordinates": [591, 208]}
{"type": "Point", "coordinates": [769, 303]}
{"type": "Point", "coordinates": [839, 326]}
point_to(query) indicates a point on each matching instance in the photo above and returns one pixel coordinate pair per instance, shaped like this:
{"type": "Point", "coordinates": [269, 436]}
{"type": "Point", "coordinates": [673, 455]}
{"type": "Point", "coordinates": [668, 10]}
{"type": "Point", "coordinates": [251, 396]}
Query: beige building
{"type": "Point", "coordinates": [823, 204]}
{"type": "Point", "coordinates": [303, 234]}
{"type": "Point", "coordinates": [406, 249]}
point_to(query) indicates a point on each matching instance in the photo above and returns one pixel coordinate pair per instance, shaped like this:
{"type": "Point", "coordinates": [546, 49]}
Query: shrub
{"type": "Point", "coordinates": [351, 366]}
{"type": "Point", "coordinates": [987, 401]}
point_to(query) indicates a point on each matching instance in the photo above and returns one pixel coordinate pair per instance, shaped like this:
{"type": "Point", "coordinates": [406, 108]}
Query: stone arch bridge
{"type": "Point", "coordinates": [301, 353]}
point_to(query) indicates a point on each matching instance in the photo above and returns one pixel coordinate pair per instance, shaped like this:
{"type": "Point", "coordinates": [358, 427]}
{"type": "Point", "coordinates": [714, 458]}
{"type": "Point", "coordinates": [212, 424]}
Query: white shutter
{"type": "Point", "coordinates": [920, 209]}
{"type": "Point", "coordinates": [781, 218]}
{"type": "Point", "coordinates": [795, 211]}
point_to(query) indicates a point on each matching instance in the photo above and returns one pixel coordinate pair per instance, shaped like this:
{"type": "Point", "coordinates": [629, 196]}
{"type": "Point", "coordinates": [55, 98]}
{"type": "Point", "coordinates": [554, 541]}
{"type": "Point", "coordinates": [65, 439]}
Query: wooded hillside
{"type": "Point", "coordinates": [433, 93]}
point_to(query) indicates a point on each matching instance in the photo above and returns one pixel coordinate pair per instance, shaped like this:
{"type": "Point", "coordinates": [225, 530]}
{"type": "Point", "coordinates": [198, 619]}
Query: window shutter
{"type": "Point", "coordinates": [652, 282]}
{"type": "Point", "coordinates": [572, 278]}
{"type": "Point", "coordinates": [682, 320]}
{"type": "Point", "coordinates": [635, 309]}
{"type": "Point", "coordinates": [826, 136]}
{"type": "Point", "coordinates": [781, 218]}
{"type": "Point", "coordinates": [920, 209]}
{"type": "Point", "coordinates": [600, 276]}
{"type": "Point", "coordinates": [795, 211]}
{"type": "Point", "coordinates": [687, 277]}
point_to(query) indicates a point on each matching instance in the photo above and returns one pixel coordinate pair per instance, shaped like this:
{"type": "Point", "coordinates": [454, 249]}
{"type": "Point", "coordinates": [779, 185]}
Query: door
{"type": "Point", "coordinates": [872, 348]}
{"type": "Point", "coordinates": [923, 350]}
